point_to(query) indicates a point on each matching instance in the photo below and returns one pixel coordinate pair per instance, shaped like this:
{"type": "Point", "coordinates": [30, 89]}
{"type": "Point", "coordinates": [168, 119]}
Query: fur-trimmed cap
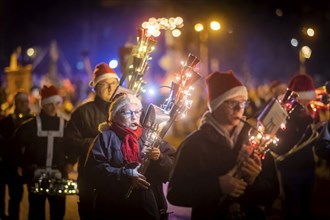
{"type": "Point", "coordinates": [303, 84]}
{"type": "Point", "coordinates": [102, 71]}
{"type": "Point", "coordinates": [49, 94]}
{"type": "Point", "coordinates": [223, 86]}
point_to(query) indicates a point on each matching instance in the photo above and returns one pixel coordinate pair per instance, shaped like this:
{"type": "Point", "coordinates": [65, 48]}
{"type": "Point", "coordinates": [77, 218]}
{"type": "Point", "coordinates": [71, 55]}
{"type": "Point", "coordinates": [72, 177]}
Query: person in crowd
{"type": "Point", "coordinates": [114, 161]}
{"type": "Point", "coordinates": [40, 140]}
{"type": "Point", "coordinates": [207, 176]}
{"type": "Point", "coordinates": [9, 173]}
{"type": "Point", "coordinates": [82, 128]}
{"type": "Point", "coordinates": [277, 88]}
{"type": "Point", "coordinates": [295, 159]}
{"type": "Point", "coordinates": [322, 145]}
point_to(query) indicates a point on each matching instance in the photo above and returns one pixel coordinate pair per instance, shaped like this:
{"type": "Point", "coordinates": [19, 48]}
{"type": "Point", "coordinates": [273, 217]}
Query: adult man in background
{"type": "Point", "coordinates": [40, 141]}
{"type": "Point", "coordinates": [8, 166]}
{"type": "Point", "coordinates": [296, 163]}
{"type": "Point", "coordinates": [82, 128]}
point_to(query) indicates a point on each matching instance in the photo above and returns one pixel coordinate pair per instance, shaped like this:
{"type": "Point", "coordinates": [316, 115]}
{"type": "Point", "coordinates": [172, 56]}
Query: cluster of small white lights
{"type": "Point", "coordinates": [154, 25]}
{"type": "Point", "coordinates": [69, 189]}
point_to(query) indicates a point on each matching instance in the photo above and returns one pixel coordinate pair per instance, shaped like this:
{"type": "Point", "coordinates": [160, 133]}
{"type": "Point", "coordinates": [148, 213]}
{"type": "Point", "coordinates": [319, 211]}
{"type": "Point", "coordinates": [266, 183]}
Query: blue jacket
{"type": "Point", "coordinates": [105, 166]}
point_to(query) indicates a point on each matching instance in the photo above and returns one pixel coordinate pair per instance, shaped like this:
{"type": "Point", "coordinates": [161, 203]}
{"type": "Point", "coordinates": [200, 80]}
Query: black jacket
{"type": "Point", "coordinates": [322, 145]}
{"type": "Point", "coordinates": [82, 128]}
{"type": "Point", "coordinates": [8, 150]}
{"type": "Point", "coordinates": [202, 158]}
{"type": "Point", "coordinates": [34, 148]}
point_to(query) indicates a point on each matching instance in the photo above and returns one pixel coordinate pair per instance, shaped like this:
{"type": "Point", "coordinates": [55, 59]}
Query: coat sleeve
{"type": "Point", "coordinates": [98, 165]}
{"type": "Point", "coordinates": [191, 181]}
{"type": "Point", "coordinates": [322, 144]}
{"type": "Point", "coordinates": [266, 186]}
{"type": "Point", "coordinates": [161, 168]}
{"type": "Point", "coordinates": [77, 144]}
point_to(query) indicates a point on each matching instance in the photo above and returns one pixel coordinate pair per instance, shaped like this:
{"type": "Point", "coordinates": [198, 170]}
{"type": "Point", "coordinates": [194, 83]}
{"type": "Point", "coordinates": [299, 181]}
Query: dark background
{"type": "Point", "coordinates": [259, 44]}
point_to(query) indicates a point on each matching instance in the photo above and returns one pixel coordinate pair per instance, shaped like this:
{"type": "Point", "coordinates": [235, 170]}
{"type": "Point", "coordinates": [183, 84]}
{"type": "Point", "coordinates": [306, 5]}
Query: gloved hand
{"type": "Point", "coordinates": [231, 185]}
{"type": "Point", "coordinates": [138, 180]}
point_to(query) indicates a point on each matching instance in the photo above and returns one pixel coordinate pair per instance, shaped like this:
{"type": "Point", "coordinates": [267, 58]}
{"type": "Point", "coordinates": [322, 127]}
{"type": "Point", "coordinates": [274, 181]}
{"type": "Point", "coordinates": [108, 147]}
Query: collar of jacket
{"type": "Point", "coordinates": [102, 104]}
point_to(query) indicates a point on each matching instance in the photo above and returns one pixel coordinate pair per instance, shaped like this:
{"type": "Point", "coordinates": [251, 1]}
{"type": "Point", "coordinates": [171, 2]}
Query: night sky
{"type": "Point", "coordinates": [259, 43]}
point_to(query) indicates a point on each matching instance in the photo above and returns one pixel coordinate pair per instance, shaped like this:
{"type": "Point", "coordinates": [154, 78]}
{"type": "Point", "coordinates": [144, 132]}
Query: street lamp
{"type": "Point", "coordinates": [304, 53]}
{"type": "Point", "coordinates": [203, 42]}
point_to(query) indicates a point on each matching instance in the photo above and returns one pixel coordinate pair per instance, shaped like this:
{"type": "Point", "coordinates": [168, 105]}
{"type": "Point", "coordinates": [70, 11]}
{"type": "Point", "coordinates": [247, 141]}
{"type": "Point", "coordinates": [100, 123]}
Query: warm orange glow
{"type": "Point", "coordinates": [199, 27]}
{"type": "Point", "coordinates": [214, 25]}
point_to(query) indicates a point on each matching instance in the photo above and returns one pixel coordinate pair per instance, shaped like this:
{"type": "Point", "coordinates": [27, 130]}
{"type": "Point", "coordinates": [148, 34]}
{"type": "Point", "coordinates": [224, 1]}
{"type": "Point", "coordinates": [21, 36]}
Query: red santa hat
{"type": "Point", "coordinates": [303, 84]}
{"type": "Point", "coordinates": [223, 86]}
{"type": "Point", "coordinates": [102, 71]}
{"type": "Point", "coordinates": [49, 94]}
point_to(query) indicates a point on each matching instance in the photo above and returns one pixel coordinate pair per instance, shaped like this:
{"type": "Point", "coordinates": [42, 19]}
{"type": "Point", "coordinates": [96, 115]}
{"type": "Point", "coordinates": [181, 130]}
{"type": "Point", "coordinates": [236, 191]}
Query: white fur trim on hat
{"type": "Point", "coordinates": [236, 91]}
{"type": "Point", "coordinates": [307, 95]}
{"type": "Point", "coordinates": [51, 99]}
{"type": "Point", "coordinates": [94, 82]}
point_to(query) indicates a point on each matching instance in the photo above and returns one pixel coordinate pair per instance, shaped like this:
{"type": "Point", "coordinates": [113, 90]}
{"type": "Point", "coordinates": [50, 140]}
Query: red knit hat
{"type": "Point", "coordinates": [49, 94]}
{"type": "Point", "coordinates": [102, 71]}
{"type": "Point", "coordinates": [223, 86]}
{"type": "Point", "coordinates": [303, 84]}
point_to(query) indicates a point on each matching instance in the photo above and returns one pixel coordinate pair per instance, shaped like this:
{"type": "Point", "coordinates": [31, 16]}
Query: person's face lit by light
{"type": "Point", "coordinates": [231, 111]}
{"type": "Point", "coordinates": [51, 109]}
{"type": "Point", "coordinates": [105, 88]}
{"type": "Point", "coordinates": [129, 116]}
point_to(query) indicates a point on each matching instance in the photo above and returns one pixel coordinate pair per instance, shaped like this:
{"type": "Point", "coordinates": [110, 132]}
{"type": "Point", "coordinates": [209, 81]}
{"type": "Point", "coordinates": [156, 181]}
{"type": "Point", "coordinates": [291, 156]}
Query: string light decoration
{"type": "Point", "coordinates": [158, 120]}
{"type": "Point", "coordinates": [137, 64]}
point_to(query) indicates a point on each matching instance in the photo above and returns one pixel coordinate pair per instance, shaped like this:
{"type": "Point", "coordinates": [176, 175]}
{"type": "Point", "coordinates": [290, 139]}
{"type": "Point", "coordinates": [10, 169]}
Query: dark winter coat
{"type": "Point", "coordinates": [82, 127]}
{"type": "Point", "coordinates": [105, 166]}
{"type": "Point", "coordinates": [34, 148]}
{"type": "Point", "coordinates": [201, 159]}
{"type": "Point", "coordinates": [8, 150]}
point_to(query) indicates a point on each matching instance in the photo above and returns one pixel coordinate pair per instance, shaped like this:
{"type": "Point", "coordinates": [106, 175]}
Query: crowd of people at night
{"type": "Point", "coordinates": [208, 162]}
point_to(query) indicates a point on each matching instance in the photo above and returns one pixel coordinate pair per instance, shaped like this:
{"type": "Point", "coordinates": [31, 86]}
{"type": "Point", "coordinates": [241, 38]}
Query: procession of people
{"type": "Point", "coordinates": [229, 151]}
{"type": "Point", "coordinates": [193, 169]}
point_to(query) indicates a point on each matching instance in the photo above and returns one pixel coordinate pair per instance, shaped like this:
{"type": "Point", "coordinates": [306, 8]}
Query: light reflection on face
{"type": "Point", "coordinates": [105, 88]}
{"type": "Point", "coordinates": [129, 116]}
{"type": "Point", "coordinates": [231, 111]}
{"type": "Point", "coordinates": [52, 109]}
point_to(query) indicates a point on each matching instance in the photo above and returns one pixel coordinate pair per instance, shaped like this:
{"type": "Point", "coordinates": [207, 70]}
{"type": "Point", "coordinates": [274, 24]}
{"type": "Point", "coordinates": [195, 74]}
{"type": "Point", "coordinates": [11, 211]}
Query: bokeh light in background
{"type": "Point", "coordinates": [294, 42]}
{"type": "Point", "coordinates": [254, 36]}
{"type": "Point", "coordinates": [310, 32]}
{"type": "Point", "coordinates": [306, 51]}
{"type": "Point", "coordinates": [215, 25]}
{"type": "Point", "coordinates": [80, 65]}
{"type": "Point", "coordinates": [30, 52]}
{"type": "Point", "coordinates": [113, 64]}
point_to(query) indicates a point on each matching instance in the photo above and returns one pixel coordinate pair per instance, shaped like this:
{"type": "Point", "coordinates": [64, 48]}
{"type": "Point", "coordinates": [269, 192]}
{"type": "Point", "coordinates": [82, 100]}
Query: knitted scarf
{"type": "Point", "coordinates": [130, 146]}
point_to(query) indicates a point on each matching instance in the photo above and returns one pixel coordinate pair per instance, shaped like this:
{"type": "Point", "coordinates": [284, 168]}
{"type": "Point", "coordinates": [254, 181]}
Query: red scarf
{"type": "Point", "coordinates": [130, 146]}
